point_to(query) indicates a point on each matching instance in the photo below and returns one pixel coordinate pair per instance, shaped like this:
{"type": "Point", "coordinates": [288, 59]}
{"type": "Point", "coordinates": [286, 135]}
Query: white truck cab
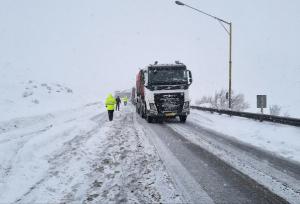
{"type": "Point", "coordinates": [162, 91]}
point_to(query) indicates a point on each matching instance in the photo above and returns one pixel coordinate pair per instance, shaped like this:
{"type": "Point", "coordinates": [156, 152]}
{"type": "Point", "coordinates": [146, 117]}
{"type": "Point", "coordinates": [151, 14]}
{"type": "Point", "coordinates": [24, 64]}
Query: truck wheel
{"type": "Point", "coordinates": [149, 119]}
{"type": "Point", "coordinates": [182, 118]}
{"type": "Point", "coordinates": [160, 120]}
{"type": "Point", "coordinates": [143, 113]}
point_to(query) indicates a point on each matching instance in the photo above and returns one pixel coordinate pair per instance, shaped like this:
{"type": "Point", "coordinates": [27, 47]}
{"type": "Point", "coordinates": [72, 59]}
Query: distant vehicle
{"type": "Point", "coordinates": [123, 93]}
{"type": "Point", "coordinates": [162, 91]}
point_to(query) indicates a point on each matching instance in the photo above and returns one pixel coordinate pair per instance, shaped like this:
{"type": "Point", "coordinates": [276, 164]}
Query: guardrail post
{"type": "Point", "coordinates": [261, 118]}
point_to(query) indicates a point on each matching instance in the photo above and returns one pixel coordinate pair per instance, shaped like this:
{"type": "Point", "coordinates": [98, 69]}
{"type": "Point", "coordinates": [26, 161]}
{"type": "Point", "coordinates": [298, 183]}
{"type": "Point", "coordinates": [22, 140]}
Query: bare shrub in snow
{"type": "Point", "coordinates": [238, 102]}
{"type": "Point", "coordinates": [275, 110]}
{"type": "Point", "coordinates": [219, 101]}
{"type": "Point", "coordinates": [204, 100]}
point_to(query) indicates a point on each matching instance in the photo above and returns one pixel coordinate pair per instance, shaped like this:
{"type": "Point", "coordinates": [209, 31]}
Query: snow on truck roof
{"type": "Point", "coordinates": [166, 65]}
{"type": "Point", "coordinates": [176, 65]}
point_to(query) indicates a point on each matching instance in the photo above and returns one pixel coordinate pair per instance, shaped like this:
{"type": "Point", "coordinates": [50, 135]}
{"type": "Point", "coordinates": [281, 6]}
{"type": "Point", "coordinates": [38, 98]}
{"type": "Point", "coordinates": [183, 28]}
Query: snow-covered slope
{"type": "Point", "coordinates": [30, 97]}
{"type": "Point", "coordinates": [21, 98]}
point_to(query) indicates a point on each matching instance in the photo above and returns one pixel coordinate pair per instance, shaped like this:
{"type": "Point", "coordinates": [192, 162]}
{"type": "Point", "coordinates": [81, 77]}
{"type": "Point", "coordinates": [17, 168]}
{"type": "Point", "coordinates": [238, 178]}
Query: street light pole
{"type": "Point", "coordinates": [230, 64]}
{"type": "Point", "coordinates": [222, 22]}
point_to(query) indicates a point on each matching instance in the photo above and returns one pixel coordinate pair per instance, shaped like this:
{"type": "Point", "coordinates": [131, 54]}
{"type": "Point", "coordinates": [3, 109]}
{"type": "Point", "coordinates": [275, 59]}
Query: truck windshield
{"type": "Point", "coordinates": [167, 76]}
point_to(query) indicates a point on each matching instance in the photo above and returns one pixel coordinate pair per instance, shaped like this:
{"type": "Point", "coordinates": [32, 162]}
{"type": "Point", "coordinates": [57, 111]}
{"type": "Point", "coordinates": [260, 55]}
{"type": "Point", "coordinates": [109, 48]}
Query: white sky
{"type": "Point", "coordinates": [97, 46]}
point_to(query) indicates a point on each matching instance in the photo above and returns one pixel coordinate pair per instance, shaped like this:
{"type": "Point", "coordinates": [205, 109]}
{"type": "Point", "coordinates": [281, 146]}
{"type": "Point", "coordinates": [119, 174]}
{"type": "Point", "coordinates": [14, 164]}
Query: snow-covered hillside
{"type": "Point", "coordinates": [29, 97]}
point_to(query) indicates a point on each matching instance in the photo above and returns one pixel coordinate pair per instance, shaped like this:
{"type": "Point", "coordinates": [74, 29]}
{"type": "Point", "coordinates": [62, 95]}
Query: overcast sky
{"type": "Point", "coordinates": [97, 46]}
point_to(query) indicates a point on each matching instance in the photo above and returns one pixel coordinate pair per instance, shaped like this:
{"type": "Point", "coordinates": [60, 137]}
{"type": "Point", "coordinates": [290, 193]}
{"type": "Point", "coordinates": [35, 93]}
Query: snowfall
{"type": "Point", "coordinates": [51, 151]}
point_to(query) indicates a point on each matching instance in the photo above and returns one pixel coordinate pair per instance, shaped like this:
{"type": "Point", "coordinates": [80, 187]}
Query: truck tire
{"type": "Point", "coordinates": [149, 119]}
{"type": "Point", "coordinates": [182, 118]}
{"type": "Point", "coordinates": [160, 119]}
{"type": "Point", "coordinates": [141, 112]}
{"type": "Point", "coordinates": [144, 112]}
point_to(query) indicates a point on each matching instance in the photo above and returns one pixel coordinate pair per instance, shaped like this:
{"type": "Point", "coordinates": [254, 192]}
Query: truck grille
{"type": "Point", "coordinates": [169, 102]}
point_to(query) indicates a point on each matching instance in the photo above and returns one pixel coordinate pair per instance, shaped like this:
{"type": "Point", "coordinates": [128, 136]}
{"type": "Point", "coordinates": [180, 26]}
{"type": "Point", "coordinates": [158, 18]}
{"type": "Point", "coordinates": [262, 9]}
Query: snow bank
{"type": "Point", "coordinates": [282, 140]}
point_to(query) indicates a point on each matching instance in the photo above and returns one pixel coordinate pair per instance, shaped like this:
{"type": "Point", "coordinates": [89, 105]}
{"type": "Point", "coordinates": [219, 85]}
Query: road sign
{"type": "Point", "coordinates": [261, 101]}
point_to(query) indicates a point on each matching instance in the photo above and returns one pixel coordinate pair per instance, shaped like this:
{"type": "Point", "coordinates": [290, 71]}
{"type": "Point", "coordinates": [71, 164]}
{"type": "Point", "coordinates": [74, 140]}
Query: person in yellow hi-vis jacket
{"type": "Point", "coordinates": [110, 103]}
{"type": "Point", "coordinates": [125, 100]}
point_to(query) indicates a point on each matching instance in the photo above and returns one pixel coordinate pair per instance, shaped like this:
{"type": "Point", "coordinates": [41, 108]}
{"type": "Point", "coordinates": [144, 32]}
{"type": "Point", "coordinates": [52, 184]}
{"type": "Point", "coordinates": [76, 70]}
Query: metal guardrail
{"type": "Point", "coordinates": [255, 116]}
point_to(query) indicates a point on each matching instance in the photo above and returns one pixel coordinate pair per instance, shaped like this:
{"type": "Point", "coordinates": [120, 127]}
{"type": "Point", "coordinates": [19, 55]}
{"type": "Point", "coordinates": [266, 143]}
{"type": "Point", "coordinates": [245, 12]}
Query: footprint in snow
{"type": "Point", "coordinates": [92, 197]}
{"type": "Point", "coordinates": [97, 184]}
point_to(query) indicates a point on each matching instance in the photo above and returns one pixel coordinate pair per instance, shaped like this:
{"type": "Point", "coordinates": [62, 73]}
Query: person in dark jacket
{"type": "Point", "coordinates": [118, 101]}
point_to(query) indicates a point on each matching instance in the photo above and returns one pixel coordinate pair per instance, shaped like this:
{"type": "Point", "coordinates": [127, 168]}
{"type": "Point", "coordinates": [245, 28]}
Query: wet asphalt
{"type": "Point", "coordinates": [220, 181]}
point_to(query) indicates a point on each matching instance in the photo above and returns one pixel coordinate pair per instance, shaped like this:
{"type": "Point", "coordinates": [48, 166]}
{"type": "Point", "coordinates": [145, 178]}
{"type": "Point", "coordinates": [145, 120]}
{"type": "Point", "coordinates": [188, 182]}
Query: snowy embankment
{"type": "Point", "coordinates": [23, 98]}
{"type": "Point", "coordinates": [282, 140]}
{"type": "Point", "coordinates": [78, 156]}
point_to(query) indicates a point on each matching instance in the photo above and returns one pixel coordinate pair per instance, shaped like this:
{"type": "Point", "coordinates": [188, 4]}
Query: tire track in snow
{"type": "Point", "coordinates": [60, 160]}
{"type": "Point", "coordinates": [277, 185]}
{"type": "Point", "coordinates": [185, 182]}
{"type": "Point", "coordinates": [91, 160]}
{"type": "Point", "coordinates": [5, 170]}
{"type": "Point", "coordinates": [127, 172]}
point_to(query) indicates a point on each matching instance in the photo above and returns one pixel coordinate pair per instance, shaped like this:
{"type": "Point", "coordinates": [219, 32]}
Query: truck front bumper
{"type": "Point", "coordinates": [168, 114]}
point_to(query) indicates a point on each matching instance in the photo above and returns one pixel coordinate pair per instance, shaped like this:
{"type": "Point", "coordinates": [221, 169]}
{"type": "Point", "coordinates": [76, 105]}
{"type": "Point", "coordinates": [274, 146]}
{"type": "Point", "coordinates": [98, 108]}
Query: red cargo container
{"type": "Point", "coordinates": [140, 85]}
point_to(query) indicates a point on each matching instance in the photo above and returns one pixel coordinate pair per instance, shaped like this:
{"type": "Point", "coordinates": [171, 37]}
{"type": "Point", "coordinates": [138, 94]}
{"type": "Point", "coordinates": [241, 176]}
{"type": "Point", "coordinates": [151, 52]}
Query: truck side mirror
{"type": "Point", "coordinates": [190, 78]}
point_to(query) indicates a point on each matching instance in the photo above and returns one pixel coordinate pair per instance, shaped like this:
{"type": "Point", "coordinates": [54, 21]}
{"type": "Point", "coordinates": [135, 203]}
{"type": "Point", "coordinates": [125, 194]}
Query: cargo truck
{"type": "Point", "coordinates": [162, 91]}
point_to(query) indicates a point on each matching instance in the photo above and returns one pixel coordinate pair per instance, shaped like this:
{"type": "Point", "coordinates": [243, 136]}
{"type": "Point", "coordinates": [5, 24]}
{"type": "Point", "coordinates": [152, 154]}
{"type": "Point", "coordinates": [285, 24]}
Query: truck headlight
{"type": "Point", "coordinates": [186, 105]}
{"type": "Point", "coordinates": [152, 106]}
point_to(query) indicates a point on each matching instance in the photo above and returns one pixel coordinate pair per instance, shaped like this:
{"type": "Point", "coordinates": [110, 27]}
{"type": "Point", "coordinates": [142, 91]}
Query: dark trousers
{"type": "Point", "coordinates": [118, 106]}
{"type": "Point", "coordinates": [110, 115]}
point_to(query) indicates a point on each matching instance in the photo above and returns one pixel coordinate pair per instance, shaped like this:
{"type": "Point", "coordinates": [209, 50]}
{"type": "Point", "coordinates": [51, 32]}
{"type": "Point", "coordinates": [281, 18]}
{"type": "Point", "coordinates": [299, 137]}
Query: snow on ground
{"type": "Point", "coordinates": [22, 98]}
{"type": "Point", "coordinates": [283, 140]}
{"type": "Point", "coordinates": [78, 156]}
{"type": "Point", "coordinates": [274, 178]}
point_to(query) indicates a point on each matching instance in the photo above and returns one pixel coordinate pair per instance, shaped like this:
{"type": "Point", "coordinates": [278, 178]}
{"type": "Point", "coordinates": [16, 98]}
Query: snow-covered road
{"type": "Point", "coordinates": [223, 164]}
{"type": "Point", "coordinates": [78, 156]}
